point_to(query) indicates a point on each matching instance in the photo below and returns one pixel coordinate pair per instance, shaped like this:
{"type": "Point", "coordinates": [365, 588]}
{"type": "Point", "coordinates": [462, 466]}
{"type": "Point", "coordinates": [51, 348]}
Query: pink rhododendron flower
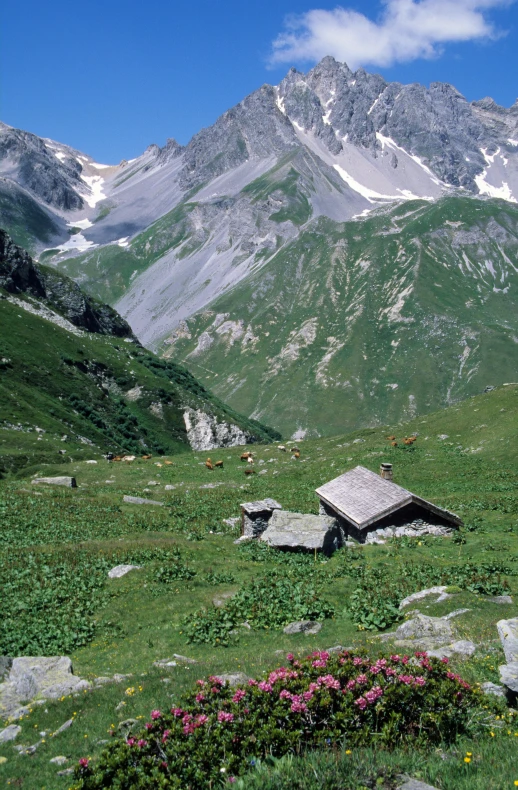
{"type": "Point", "coordinates": [361, 680]}
{"type": "Point", "coordinates": [83, 762]}
{"type": "Point", "coordinates": [329, 681]}
{"type": "Point", "coordinates": [285, 694]}
{"type": "Point", "coordinates": [177, 712]}
{"type": "Point", "coordinates": [148, 725]}
{"type": "Point", "coordinates": [264, 686]}
{"type": "Point", "coordinates": [298, 707]}
{"type": "Point", "coordinates": [200, 697]}
{"type": "Point", "coordinates": [290, 657]}
{"type": "Point", "coordinates": [308, 695]}
{"type": "Point", "coordinates": [361, 702]}
{"type": "Point", "coordinates": [141, 743]}
{"type": "Point", "coordinates": [165, 735]}
{"type": "Point", "coordinates": [224, 717]}
{"type": "Point", "coordinates": [420, 681]}
{"type": "Point", "coordinates": [357, 661]}
{"type": "Point", "coordinates": [252, 682]}
{"type": "Point", "coordinates": [350, 685]}
{"type": "Point", "coordinates": [215, 690]}
{"type": "Point", "coordinates": [201, 719]}
{"type": "Point", "coordinates": [239, 695]}
{"type": "Point", "coordinates": [131, 741]}
{"type": "Point", "coordinates": [320, 663]}
{"type": "Point", "coordinates": [155, 714]}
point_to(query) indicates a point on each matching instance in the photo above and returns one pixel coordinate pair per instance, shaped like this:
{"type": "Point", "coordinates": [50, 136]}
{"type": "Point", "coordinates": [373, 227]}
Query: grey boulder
{"type": "Point", "coordinates": [461, 649]}
{"type": "Point", "coordinates": [414, 784]}
{"type": "Point", "coordinates": [303, 627]}
{"type": "Point", "coordinates": [138, 500]}
{"type": "Point", "coordinates": [303, 531]}
{"type": "Point", "coordinates": [508, 633]}
{"type": "Point", "coordinates": [509, 676]}
{"type": "Point", "coordinates": [233, 679]}
{"type": "Point", "coordinates": [423, 627]}
{"type": "Point", "coordinates": [9, 733]}
{"type": "Point", "coordinates": [122, 570]}
{"type": "Point", "coordinates": [493, 688]}
{"type": "Point", "coordinates": [68, 482]}
{"type": "Point", "coordinates": [40, 676]}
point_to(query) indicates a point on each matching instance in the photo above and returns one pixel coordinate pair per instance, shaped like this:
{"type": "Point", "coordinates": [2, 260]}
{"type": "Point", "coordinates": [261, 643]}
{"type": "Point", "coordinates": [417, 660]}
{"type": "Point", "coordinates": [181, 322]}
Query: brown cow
{"type": "Point", "coordinates": [168, 463]}
{"type": "Point", "coordinates": [245, 456]}
{"type": "Point", "coordinates": [390, 438]}
{"type": "Point", "coordinates": [249, 471]}
{"type": "Point", "coordinates": [296, 453]}
{"type": "Point", "coordinates": [394, 444]}
{"type": "Point", "coordinates": [146, 457]}
{"type": "Point", "coordinates": [219, 464]}
{"type": "Point", "coordinates": [208, 464]}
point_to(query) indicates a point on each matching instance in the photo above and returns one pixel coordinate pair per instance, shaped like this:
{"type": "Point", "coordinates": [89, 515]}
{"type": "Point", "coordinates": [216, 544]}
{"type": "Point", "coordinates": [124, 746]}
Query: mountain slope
{"type": "Point", "coordinates": [72, 374]}
{"type": "Point", "coordinates": [366, 322]}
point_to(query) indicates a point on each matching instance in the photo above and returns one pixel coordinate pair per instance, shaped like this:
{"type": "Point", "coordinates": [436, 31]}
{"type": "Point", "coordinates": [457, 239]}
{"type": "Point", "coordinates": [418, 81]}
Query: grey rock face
{"type": "Point", "coordinates": [6, 663]}
{"type": "Point", "coordinates": [204, 432]}
{"type": "Point", "coordinates": [57, 182]}
{"type": "Point", "coordinates": [303, 627]}
{"type": "Point", "coordinates": [67, 482]}
{"type": "Point", "coordinates": [460, 649]}
{"type": "Point", "coordinates": [438, 590]}
{"type": "Point", "coordinates": [19, 274]}
{"type": "Point", "coordinates": [508, 633]}
{"type": "Point", "coordinates": [501, 599]}
{"type": "Point", "coordinates": [414, 784]}
{"type": "Point", "coordinates": [59, 760]}
{"type": "Point", "coordinates": [303, 531]}
{"type": "Point", "coordinates": [122, 570]}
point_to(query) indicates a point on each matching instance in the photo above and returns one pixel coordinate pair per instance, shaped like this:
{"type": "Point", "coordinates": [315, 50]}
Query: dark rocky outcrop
{"type": "Point", "coordinates": [20, 275]}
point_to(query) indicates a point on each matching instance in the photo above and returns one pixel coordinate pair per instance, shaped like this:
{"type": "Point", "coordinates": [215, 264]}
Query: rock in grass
{"type": "Point", "coordinates": [59, 760]}
{"type": "Point", "coordinates": [9, 733]}
{"type": "Point", "coordinates": [461, 649]}
{"type": "Point", "coordinates": [508, 633]}
{"type": "Point", "coordinates": [423, 627]}
{"type": "Point", "coordinates": [138, 500]}
{"type": "Point", "coordinates": [414, 784]}
{"type": "Point", "coordinates": [509, 676]}
{"type": "Point", "coordinates": [122, 570]}
{"type": "Point", "coordinates": [68, 482]}
{"type": "Point", "coordinates": [439, 590]}
{"type": "Point", "coordinates": [493, 688]}
{"type": "Point", "coordinates": [233, 679]}
{"type": "Point", "coordinates": [303, 627]}
{"type": "Point", "coordinates": [42, 676]}
{"type": "Point", "coordinates": [500, 599]}
{"type": "Point", "coordinates": [66, 772]}
{"type": "Point", "coordinates": [63, 727]}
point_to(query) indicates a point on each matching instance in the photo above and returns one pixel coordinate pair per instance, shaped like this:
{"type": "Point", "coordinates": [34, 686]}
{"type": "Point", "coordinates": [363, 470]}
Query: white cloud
{"type": "Point", "coordinates": [405, 30]}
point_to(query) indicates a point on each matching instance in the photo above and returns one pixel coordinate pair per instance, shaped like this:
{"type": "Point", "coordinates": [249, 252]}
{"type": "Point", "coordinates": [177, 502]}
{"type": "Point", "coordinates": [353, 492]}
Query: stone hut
{"type": "Point", "coordinates": [370, 508]}
{"type": "Point", "coordinates": [255, 516]}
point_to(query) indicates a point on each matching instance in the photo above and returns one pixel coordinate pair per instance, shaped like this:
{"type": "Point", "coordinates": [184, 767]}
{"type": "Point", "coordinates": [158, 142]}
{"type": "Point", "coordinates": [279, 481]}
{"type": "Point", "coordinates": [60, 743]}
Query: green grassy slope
{"type": "Point", "coordinates": [124, 625]}
{"type": "Point", "coordinates": [367, 321]}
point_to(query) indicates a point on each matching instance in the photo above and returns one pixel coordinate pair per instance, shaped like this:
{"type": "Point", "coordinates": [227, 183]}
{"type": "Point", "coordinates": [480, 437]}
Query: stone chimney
{"type": "Point", "coordinates": [386, 471]}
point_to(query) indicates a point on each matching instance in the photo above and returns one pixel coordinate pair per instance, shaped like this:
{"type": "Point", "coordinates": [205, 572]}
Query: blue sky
{"type": "Point", "coordinates": [111, 77]}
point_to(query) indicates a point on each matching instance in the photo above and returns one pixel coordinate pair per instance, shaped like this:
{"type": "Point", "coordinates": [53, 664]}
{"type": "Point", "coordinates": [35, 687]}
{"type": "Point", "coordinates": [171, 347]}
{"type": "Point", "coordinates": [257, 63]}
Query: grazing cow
{"type": "Point", "coordinates": [128, 458]}
{"type": "Point", "coordinates": [249, 471]}
{"type": "Point", "coordinates": [294, 450]}
{"type": "Point", "coordinates": [245, 456]}
{"type": "Point", "coordinates": [168, 463]}
{"type": "Point", "coordinates": [208, 464]}
{"type": "Point", "coordinates": [394, 444]}
{"type": "Point", "coordinates": [146, 457]}
{"type": "Point", "coordinates": [390, 438]}
{"type": "Point", "coordinates": [296, 453]}
{"type": "Point", "coordinates": [250, 460]}
{"type": "Point", "coordinates": [218, 465]}
{"type": "Point", "coordinates": [157, 463]}
{"type": "Point", "coordinates": [117, 458]}
{"type": "Point", "coordinates": [281, 447]}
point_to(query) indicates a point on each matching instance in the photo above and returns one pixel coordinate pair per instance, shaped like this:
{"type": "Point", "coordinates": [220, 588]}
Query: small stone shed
{"type": "Point", "coordinates": [255, 516]}
{"type": "Point", "coordinates": [370, 508]}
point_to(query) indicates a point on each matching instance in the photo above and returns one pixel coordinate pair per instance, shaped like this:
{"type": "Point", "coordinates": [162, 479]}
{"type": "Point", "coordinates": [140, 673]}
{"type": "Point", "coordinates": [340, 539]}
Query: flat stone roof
{"type": "Point", "coordinates": [363, 497]}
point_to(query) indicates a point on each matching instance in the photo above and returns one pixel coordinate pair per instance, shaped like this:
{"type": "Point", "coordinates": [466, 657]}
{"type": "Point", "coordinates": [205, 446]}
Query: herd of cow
{"type": "Point", "coordinates": [408, 440]}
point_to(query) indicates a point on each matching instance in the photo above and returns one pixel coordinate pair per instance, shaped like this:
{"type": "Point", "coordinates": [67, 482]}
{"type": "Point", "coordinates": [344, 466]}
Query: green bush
{"type": "Point", "coordinates": [217, 732]}
{"type": "Point", "coordinates": [272, 601]}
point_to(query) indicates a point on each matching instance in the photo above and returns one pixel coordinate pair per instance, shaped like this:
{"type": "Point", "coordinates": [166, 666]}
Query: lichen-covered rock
{"type": "Point", "coordinates": [423, 627]}
{"type": "Point", "coordinates": [310, 627]}
{"type": "Point", "coordinates": [33, 677]}
{"type": "Point", "coordinates": [122, 570]}
{"type": "Point", "coordinates": [509, 675]}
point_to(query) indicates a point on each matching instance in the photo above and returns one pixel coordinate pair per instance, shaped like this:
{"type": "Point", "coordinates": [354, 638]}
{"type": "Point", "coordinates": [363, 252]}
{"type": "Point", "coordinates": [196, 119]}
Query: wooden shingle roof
{"type": "Point", "coordinates": [363, 497]}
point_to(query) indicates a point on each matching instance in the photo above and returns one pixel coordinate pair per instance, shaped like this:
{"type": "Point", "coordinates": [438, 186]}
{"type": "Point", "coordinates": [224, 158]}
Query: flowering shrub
{"type": "Point", "coordinates": [322, 700]}
{"type": "Point", "coordinates": [272, 601]}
